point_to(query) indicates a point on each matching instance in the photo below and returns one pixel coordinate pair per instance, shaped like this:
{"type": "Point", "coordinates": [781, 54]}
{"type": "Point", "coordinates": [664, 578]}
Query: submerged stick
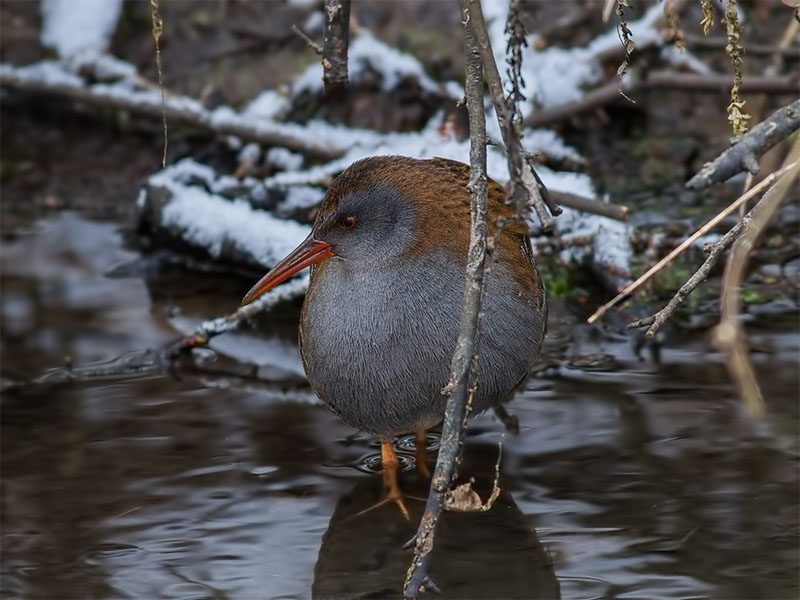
{"type": "Point", "coordinates": [214, 327]}
{"type": "Point", "coordinates": [463, 366]}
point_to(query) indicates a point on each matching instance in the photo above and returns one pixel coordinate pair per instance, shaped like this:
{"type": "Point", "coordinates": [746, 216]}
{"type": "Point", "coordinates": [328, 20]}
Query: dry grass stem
{"type": "Point", "coordinates": [729, 334]}
{"type": "Point", "coordinates": [158, 31]}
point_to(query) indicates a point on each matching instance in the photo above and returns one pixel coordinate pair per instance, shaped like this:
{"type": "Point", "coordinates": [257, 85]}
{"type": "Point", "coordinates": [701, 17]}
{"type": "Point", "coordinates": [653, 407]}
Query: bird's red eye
{"type": "Point", "coordinates": [349, 222]}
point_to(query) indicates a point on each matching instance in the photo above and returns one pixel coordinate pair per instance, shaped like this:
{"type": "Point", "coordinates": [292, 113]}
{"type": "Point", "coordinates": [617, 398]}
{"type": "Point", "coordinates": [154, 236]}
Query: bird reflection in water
{"type": "Point", "coordinates": [491, 554]}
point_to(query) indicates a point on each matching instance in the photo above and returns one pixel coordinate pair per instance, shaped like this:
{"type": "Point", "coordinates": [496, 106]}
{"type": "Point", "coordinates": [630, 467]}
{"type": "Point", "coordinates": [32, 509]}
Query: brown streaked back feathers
{"type": "Point", "coordinates": [437, 189]}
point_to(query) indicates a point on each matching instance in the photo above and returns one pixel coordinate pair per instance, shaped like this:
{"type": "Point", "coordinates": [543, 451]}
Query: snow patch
{"type": "Point", "coordinates": [75, 27]}
{"type": "Point", "coordinates": [556, 76]}
{"type": "Point", "coordinates": [284, 159]}
{"type": "Point", "coordinates": [299, 197]}
{"type": "Point", "coordinates": [611, 240]}
{"type": "Point", "coordinates": [211, 222]}
{"type": "Point", "coordinates": [268, 105]}
{"type": "Point", "coordinates": [366, 52]}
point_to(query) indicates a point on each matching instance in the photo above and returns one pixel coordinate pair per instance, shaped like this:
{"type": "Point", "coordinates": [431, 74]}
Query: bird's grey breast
{"type": "Point", "coordinates": [377, 343]}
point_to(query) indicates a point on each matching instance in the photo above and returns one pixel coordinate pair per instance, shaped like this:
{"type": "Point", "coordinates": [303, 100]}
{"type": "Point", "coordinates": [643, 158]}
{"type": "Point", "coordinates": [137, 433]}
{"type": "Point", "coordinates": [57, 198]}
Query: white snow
{"type": "Point", "coordinates": [430, 143]}
{"type": "Point", "coordinates": [284, 159]}
{"type": "Point", "coordinates": [611, 239]}
{"type": "Point", "coordinates": [211, 222]}
{"type": "Point", "coordinates": [76, 27]}
{"type": "Point", "coordinates": [555, 76]}
{"type": "Point", "coordinates": [80, 31]}
{"type": "Point", "coordinates": [548, 142]}
{"type": "Point", "coordinates": [368, 52]}
{"type": "Point", "coordinates": [47, 72]}
{"type": "Point", "coordinates": [299, 197]}
{"type": "Point", "coordinates": [314, 22]}
{"type": "Point", "coordinates": [286, 291]}
{"type": "Point", "coordinates": [268, 105]}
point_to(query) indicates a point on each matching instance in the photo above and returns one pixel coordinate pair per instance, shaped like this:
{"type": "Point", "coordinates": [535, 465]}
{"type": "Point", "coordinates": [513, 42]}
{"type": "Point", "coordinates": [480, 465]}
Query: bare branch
{"type": "Point", "coordinates": [674, 80]}
{"type": "Point", "coordinates": [214, 327]}
{"type": "Point", "coordinates": [336, 33]}
{"type": "Point", "coordinates": [714, 252]}
{"type": "Point", "coordinates": [178, 109]}
{"type": "Point", "coordinates": [713, 222]}
{"type": "Point", "coordinates": [618, 212]}
{"type": "Point", "coordinates": [717, 43]}
{"type": "Point", "coordinates": [729, 334]}
{"type": "Point", "coordinates": [311, 43]}
{"type": "Point", "coordinates": [524, 187]}
{"type": "Point", "coordinates": [744, 153]}
{"type": "Point", "coordinates": [464, 364]}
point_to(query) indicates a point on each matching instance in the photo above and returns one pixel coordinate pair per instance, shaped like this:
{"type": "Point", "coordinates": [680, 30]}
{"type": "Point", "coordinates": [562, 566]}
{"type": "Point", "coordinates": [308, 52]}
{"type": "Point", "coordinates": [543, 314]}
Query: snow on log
{"type": "Point", "coordinates": [183, 201]}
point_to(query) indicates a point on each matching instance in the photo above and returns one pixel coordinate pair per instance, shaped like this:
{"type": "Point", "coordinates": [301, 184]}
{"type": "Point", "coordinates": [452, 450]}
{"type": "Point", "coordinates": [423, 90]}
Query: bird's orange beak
{"type": "Point", "coordinates": [308, 253]}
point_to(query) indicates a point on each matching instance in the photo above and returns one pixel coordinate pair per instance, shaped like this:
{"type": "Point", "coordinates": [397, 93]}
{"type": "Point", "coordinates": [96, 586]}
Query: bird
{"type": "Point", "coordinates": [379, 323]}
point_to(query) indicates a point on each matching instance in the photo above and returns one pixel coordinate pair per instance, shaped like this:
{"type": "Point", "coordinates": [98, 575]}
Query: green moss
{"type": "Point", "coordinates": [751, 296]}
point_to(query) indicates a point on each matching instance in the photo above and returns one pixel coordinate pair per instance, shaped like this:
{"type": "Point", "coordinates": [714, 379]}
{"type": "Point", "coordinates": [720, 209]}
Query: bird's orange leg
{"type": "Point", "coordinates": [391, 466]}
{"type": "Point", "coordinates": [421, 444]}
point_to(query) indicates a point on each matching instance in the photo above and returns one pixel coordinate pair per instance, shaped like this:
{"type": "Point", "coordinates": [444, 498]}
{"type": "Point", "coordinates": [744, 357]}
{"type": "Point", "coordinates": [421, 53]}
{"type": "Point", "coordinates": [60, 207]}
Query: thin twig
{"type": "Point", "coordinates": [524, 188]}
{"type": "Point", "coordinates": [336, 33]}
{"type": "Point", "coordinates": [630, 288]}
{"type": "Point", "coordinates": [214, 327]}
{"type": "Point", "coordinates": [744, 153]}
{"type": "Point", "coordinates": [618, 212]}
{"type": "Point", "coordinates": [464, 363]}
{"type": "Point", "coordinates": [311, 43]}
{"type": "Point", "coordinates": [158, 31]}
{"type": "Point", "coordinates": [729, 334]}
{"type": "Point", "coordinates": [714, 252]}
{"type": "Point", "coordinates": [774, 67]}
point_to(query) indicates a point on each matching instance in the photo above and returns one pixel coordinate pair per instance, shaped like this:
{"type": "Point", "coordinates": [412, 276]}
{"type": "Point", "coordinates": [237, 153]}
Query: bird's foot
{"type": "Point", "coordinates": [399, 499]}
{"type": "Point", "coordinates": [391, 466]}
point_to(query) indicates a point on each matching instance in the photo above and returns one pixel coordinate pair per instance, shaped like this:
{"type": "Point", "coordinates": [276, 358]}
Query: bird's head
{"type": "Point", "coordinates": [385, 208]}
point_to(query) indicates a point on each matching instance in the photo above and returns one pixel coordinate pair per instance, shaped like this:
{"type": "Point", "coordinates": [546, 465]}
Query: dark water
{"type": "Point", "coordinates": [642, 481]}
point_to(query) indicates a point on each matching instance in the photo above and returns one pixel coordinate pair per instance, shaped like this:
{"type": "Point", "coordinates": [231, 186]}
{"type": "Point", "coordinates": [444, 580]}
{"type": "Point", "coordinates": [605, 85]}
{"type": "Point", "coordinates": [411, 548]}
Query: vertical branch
{"type": "Point", "coordinates": [463, 366]}
{"type": "Point", "coordinates": [336, 33]}
{"type": "Point", "coordinates": [524, 188]}
{"type": "Point", "coordinates": [729, 334]}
